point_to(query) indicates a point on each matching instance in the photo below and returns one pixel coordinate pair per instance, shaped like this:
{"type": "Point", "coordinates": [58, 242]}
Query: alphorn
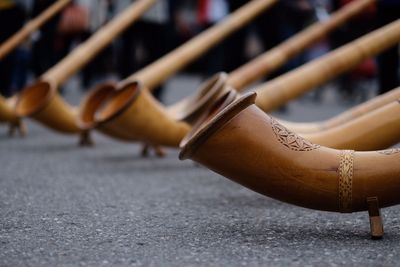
{"type": "Point", "coordinates": [42, 102]}
{"type": "Point", "coordinates": [7, 115]}
{"type": "Point", "coordinates": [136, 87]}
{"type": "Point", "coordinates": [362, 48]}
{"type": "Point", "coordinates": [344, 117]}
{"type": "Point", "coordinates": [31, 26]}
{"type": "Point", "coordinates": [244, 144]}
{"type": "Point", "coordinates": [188, 108]}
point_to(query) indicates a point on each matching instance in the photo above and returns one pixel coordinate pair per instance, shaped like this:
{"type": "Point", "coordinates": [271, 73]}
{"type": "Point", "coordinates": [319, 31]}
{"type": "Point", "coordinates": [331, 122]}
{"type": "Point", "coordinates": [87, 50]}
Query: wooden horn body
{"type": "Point", "coordinates": [132, 111]}
{"type": "Point", "coordinates": [344, 117]}
{"type": "Point", "coordinates": [157, 72]}
{"type": "Point", "coordinates": [280, 90]}
{"type": "Point", "coordinates": [7, 113]}
{"type": "Point", "coordinates": [244, 144]}
{"type": "Point", "coordinates": [270, 60]}
{"type": "Point", "coordinates": [42, 102]}
{"type": "Point", "coordinates": [377, 129]}
{"type": "Point", "coordinates": [34, 24]}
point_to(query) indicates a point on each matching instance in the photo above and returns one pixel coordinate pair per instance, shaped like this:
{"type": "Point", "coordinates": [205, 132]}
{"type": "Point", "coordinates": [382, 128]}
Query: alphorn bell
{"type": "Point", "coordinates": [146, 79]}
{"type": "Point", "coordinates": [246, 145]}
{"type": "Point", "coordinates": [7, 115]}
{"type": "Point", "coordinates": [31, 26]}
{"type": "Point", "coordinates": [189, 108]}
{"type": "Point", "coordinates": [42, 102]}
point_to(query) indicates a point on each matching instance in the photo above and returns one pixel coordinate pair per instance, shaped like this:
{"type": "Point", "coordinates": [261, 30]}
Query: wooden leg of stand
{"type": "Point", "coordinates": [22, 129]}
{"type": "Point", "coordinates": [85, 140]}
{"type": "Point", "coordinates": [157, 149]}
{"type": "Point", "coordinates": [375, 218]}
{"type": "Point", "coordinates": [11, 130]}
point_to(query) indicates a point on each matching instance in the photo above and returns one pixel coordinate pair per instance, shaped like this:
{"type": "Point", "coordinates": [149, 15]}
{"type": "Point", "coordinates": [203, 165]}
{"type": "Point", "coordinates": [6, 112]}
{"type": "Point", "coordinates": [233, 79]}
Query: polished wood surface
{"type": "Point", "coordinates": [344, 117]}
{"type": "Point", "coordinates": [246, 145]}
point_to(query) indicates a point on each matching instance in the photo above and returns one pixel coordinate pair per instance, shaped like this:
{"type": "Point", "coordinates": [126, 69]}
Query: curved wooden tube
{"type": "Point", "coordinates": [31, 26]}
{"type": "Point", "coordinates": [7, 115]}
{"type": "Point", "coordinates": [123, 113]}
{"type": "Point", "coordinates": [157, 72]}
{"type": "Point", "coordinates": [351, 114]}
{"type": "Point", "coordinates": [41, 100]}
{"type": "Point", "coordinates": [269, 61]}
{"type": "Point", "coordinates": [377, 129]}
{"type": "Point", "coordinates": [278, 56]}
{"type": "Point", "coordinates": [244, 144]}
{"type": "Point", "coordinates": [163, 68]}
{"type": "Point", "coordinates": [288, 86]}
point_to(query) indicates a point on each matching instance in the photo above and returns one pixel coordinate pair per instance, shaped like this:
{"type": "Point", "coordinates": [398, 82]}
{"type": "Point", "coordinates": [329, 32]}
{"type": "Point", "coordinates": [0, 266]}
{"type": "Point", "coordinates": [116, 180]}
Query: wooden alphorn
{"type": "Point", "coordinates": [366, 46]}
{"type": "Point", "coordinates": [189, 108]}
{"type": "Point", "coordinates": [42, 102]}
{"type": "Point", "coordinates": [34, 24]}
{"type": "Point", "coordinates": [246, 145]}
{"type": "Point", "coordinates": [146, 79]}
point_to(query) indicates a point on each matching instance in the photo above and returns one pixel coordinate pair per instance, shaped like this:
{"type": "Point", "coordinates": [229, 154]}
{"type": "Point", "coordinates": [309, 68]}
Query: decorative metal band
{"type": "Point", "coordinates": [389, 151]}
{"type": "Point", "coordinates": [346, 168]}
{"type": "Point", "coordinates": [290, 139]}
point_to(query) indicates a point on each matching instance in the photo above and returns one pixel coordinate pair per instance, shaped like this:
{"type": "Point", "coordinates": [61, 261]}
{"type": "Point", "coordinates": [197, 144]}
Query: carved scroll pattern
{"type": "Point", "coordinates": [290, 139]}
{"type": "Point", "coordinates": [346, 168]}
{"type": "Point", "coordinates": [389, 151]}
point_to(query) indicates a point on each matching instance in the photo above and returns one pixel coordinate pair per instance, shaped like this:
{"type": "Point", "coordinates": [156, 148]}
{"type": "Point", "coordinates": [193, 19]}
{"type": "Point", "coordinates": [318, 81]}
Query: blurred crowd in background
{"type": "Point", "coordinates": [172, 22]}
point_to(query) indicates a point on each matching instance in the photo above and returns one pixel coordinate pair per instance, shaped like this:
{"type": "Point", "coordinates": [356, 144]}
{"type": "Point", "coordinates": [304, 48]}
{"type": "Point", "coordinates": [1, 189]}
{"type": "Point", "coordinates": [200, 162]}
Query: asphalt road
{"type": "Point", "coordinates": [61, 205]}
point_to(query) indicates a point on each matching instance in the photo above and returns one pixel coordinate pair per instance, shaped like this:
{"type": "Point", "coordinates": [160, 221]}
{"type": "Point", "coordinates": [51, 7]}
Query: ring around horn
{"type": "Point", "coordinates": [244, 144]}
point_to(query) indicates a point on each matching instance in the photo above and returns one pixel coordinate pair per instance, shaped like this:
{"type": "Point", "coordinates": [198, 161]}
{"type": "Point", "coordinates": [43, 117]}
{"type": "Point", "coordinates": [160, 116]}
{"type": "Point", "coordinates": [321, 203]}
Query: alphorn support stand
{"type": "Point", "coordinates": [375, 218]}
{"type": "Point", "coordinates": [17, 127]}
{"type": "Point", "coordinates": [85, 139]}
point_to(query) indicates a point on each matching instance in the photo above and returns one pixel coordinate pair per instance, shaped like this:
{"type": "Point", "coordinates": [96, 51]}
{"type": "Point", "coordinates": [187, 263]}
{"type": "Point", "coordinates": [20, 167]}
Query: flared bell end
{"type": "Point", "coordinates": [34, 98]}
{"type": "Point", "coordinates": [222, 111]}
{"type": "Point", "coordinates": [192, 107]}
{"type": "Point", "coordinates": [93, 102]}
{"type": "Point", "coordinates": [116, 104]}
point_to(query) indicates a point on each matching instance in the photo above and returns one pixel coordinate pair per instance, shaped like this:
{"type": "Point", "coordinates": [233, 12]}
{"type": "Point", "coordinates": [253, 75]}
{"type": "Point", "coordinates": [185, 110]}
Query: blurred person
{"type": "Point", "coordinates": [350, 82]}
{"type": "Point", "coordinates": [104, 63]}
{"type": "Point", "coordinates": [12, 18]}
{"type": "Point", "coordinates": [44, 50]}
{"type": "Point", "coordinates": [145, 41]}
{"type": "Point", "coordinates": [209, 12]}
{"type": "Point", "coordinates": [388, 61]}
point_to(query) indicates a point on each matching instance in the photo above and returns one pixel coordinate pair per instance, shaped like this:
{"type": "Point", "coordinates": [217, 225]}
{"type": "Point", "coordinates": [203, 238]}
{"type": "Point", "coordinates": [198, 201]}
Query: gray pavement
{"type": "Point", "coordinates": [61, 205]}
